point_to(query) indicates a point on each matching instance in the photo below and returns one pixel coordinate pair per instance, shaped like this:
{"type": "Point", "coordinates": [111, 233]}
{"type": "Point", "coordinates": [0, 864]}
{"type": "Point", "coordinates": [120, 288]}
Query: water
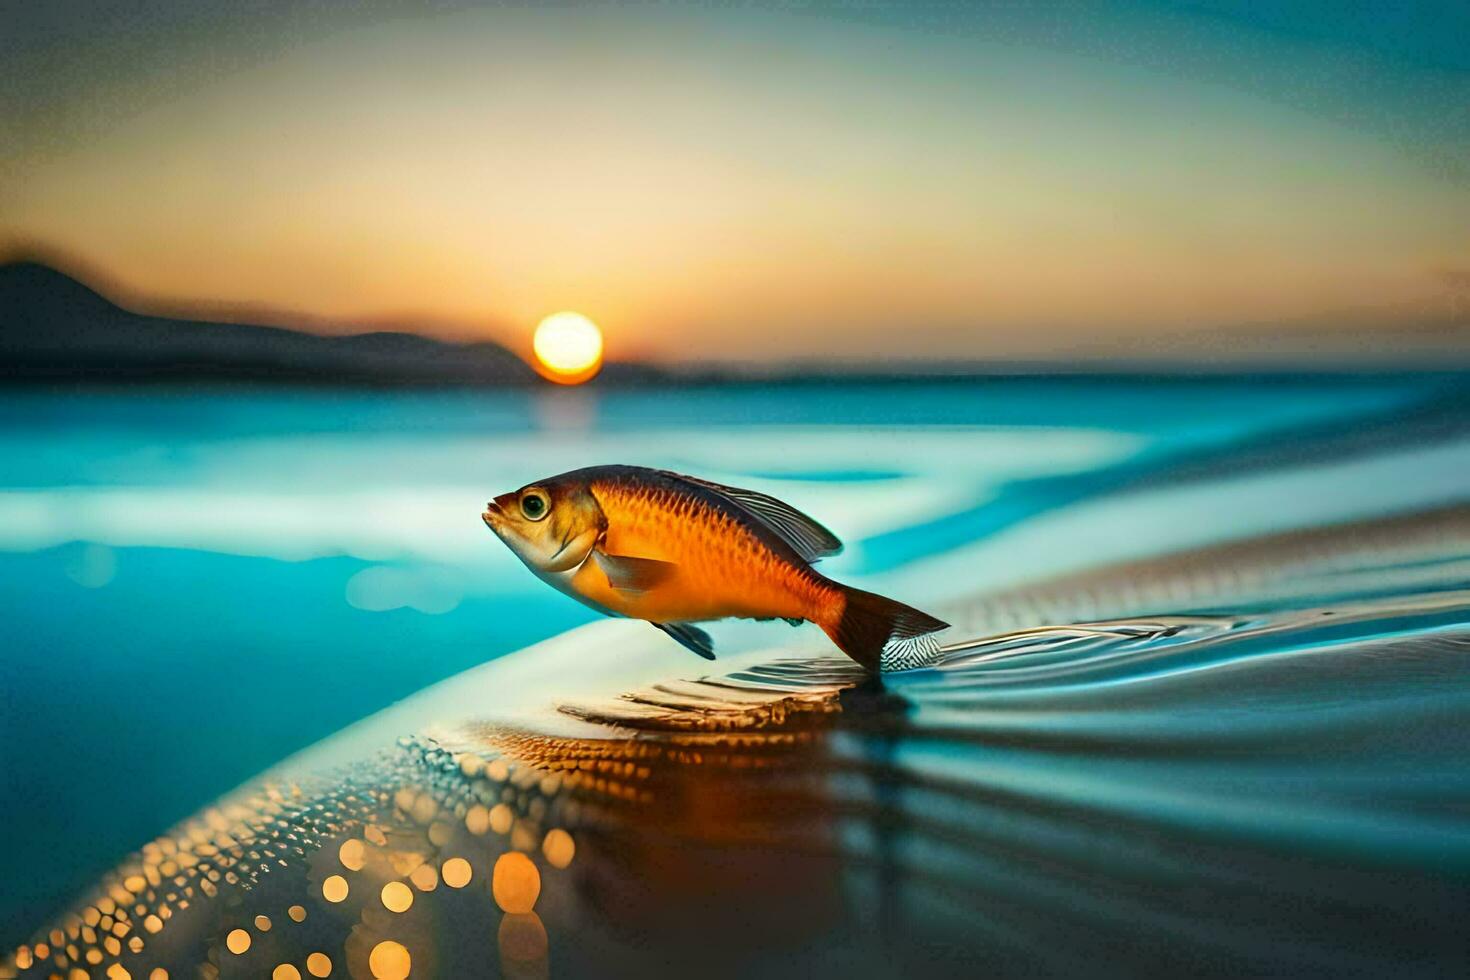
{"type": "Point", "coordinates": [1203, 709]}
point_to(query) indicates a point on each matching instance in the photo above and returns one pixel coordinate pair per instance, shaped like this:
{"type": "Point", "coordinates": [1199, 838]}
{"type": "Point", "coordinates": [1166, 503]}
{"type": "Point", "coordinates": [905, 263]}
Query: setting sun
{"type": "Point", "coordinates": [568, 348]}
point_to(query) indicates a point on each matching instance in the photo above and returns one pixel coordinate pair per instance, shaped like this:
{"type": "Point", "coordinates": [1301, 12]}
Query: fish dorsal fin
{"type": "Point", "coordinates": [806, 537]}
{"type": "Point", "coordinates": [632, 574]}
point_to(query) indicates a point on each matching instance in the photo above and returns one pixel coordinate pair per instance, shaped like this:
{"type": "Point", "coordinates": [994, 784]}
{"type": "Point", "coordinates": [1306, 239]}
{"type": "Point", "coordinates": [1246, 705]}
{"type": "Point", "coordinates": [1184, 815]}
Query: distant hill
{"type": "Point", "coordinates": [54, 328]}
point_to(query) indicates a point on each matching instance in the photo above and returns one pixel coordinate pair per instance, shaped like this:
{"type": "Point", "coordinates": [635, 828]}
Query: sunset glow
{"type": "Point", "coordinates": [568, 348]}
{"type": "Point", "coordinates": [752, 183]}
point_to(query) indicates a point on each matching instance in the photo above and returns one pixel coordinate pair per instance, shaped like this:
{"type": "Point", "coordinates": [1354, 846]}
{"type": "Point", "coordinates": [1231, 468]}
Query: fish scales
{"type": "Point", "coordinates": [725, 567]}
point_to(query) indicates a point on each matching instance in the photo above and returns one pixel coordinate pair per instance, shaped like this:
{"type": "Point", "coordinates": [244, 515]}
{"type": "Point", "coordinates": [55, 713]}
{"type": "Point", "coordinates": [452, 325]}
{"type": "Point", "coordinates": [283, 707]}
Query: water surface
{"type": "Point", "coordinates": [1203, 707]}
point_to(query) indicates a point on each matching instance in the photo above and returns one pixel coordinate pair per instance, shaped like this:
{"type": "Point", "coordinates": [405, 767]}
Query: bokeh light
{"type": "Point", "coordinates": [522, 938]}
{"type": "Point", "coordinates": [558, 847]}
{"type": "Point", "coordinates": [352, 854]}
{"type": "Point", "coordinates": [515, 882]}
{"type": "Point", "coordinates": [456, 872]}
{"type": "Point", "coordinates": [334, 889]}
{"type": "Point", "coordinates": [389, 961]}
{"type": "Point", "coordinates": [397, 897]}
{"type": "Point", "coordinates": [424, 878]}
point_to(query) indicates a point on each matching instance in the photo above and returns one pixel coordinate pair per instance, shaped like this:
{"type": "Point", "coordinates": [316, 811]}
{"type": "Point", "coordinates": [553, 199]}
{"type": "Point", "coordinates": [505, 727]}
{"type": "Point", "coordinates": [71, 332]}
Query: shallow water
{"type": "Point", "coordinates": [1183, 723]}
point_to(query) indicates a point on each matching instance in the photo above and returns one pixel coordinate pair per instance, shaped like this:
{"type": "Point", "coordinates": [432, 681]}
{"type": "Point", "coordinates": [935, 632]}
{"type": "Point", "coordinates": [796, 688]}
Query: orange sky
{"type": "Point", "coordinates": [736, 185]}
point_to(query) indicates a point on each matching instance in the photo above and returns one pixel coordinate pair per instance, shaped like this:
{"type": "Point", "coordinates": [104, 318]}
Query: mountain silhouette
{"type": "Point", "coordinates": [54, 328]}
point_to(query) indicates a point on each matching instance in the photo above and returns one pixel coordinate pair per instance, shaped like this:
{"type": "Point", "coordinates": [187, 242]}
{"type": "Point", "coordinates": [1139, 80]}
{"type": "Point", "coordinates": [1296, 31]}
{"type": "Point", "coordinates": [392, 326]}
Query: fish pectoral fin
{"type": "Point", "coordinates": [691, 638]}
{"type": "Point", "coordinates": [628, 574]}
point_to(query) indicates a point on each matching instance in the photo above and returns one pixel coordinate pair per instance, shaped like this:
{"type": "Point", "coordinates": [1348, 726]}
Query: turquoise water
{"type": "Point", "coordinates": [198, 583]}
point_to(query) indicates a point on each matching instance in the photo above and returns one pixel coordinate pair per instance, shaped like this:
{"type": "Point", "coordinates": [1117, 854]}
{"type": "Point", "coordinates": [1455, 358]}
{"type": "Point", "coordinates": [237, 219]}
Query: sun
{"type": "Point", "coordinates": [568, 348]}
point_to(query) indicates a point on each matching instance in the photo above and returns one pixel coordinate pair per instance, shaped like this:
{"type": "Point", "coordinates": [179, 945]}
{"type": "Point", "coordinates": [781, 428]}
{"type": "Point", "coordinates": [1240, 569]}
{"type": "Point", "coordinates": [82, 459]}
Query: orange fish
{"type": "Point", "coordinates": [676, 550]}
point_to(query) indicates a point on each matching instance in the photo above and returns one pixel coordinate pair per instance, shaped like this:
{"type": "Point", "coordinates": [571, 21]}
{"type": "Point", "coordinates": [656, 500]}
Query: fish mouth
{"type": "Point", "coordinates": [500, 515]}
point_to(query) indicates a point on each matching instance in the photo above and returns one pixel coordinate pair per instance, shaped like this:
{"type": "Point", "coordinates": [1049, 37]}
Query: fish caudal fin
{"type": "Point", "coordinates": [880, 633]}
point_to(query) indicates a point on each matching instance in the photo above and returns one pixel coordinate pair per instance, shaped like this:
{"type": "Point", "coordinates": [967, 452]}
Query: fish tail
{"type": "Point", "coordinates": [871, 629]}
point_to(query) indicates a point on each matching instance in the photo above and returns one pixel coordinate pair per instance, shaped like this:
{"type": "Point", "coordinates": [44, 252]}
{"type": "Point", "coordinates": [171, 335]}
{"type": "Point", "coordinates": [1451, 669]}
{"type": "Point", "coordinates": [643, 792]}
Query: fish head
{"type": "Point", "coordinates": [551, 525]}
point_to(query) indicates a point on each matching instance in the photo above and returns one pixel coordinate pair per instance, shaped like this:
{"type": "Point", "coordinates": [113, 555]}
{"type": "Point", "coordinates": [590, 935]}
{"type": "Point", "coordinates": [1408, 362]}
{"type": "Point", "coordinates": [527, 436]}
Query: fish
{"type": "Point", "coordinates": [677, 550]}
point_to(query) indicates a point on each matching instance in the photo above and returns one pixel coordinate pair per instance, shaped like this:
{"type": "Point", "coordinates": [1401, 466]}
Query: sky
{"type": "Point", "coordinates": [759, 182]}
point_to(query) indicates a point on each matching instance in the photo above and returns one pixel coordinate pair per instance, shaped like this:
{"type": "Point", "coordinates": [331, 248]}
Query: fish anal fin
{"type": "Point", "coordinates": [628, 574]}
{"type": "Point", "coordinates": [690, 637]}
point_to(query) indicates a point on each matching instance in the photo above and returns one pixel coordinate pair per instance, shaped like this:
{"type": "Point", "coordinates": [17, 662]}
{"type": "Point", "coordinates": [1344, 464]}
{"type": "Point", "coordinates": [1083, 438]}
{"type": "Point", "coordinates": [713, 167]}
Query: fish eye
{"type": "Point", "coordinates": [535, 505]}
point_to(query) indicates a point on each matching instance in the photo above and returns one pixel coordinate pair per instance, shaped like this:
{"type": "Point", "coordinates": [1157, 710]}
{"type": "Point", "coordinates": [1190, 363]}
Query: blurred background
{"type": "Point", "coordinates": [288, 290]}
{"type": "Point", "coordinates": [755, 183]}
